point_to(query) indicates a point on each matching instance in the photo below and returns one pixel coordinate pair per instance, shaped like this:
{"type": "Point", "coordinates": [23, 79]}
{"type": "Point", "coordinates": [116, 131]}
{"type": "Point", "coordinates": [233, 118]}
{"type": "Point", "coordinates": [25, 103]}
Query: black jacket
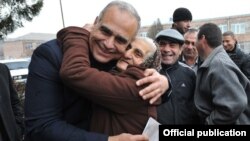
{"type": "Point", "coordinates": [11, 113]}
{"type": "Point", "coordinates": [241, 59]}
{"type": "Point", "coordinates": [179, 107]}
{"type": "Point", "coordinates": [53, 111]}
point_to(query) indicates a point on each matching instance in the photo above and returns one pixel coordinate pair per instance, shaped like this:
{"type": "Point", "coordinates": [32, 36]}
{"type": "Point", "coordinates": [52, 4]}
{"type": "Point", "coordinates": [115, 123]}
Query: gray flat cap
{"type": "Point", "coordinates": [170, 34]}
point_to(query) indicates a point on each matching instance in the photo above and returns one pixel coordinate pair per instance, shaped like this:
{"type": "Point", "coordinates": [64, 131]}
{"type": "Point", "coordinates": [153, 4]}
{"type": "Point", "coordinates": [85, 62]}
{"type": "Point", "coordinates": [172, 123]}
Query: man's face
{"type": "Point", "coordinates": [112, 34]}
{"type": "Point", "coordinates": [228, 43]}
{"type": "Point", "coordinates": [170, 51]}
{"type": "Point", "coordinates": [189, 48]}
{"type": "Point", "coordinates": [136, 54]}
{"type": "Point", "coordinates": [182, 26]}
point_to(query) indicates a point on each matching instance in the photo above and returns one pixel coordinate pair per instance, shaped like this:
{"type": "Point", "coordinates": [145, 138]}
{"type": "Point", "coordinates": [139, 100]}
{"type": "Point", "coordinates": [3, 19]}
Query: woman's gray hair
{"type": "Point", "coordinates": [153, 60]}
{"type": "Point", "coordinates": [123, 6]}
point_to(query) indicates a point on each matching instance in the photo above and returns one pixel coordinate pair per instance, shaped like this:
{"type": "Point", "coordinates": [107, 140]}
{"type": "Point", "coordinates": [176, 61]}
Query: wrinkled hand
{"type": "Point", "coordinates": [158, 84]}
{"type": "Point", "coordinates": [128, 137]}
{"type": "Point", "coordinates": [88, 27]}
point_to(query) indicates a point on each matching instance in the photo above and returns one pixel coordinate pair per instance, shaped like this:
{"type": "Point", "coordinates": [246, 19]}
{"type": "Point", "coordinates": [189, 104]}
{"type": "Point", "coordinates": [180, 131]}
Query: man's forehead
{"type": "Point", "coordinates": [120, 21]}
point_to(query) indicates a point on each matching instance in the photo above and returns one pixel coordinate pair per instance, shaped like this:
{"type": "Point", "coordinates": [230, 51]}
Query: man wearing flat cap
{"type": "Point", "coordinates": [182, 18]}
{"type": "Point", "coordinates": [179, 107]}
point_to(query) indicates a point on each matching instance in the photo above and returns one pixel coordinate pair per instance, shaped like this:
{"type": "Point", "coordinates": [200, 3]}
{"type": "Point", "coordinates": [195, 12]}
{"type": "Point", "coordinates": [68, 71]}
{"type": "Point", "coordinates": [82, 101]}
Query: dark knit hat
{"type": "Point", "coordinates": [181, 14]}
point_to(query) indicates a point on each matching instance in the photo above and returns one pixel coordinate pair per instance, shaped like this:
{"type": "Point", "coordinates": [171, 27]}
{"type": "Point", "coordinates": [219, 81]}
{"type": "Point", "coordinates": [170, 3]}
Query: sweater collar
{"type": "Point", "coordinates": [167, 67]}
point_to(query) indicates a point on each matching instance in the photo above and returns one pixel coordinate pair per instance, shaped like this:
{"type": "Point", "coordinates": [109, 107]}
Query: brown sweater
{"type": "Point", "coordinates": [117, 107]}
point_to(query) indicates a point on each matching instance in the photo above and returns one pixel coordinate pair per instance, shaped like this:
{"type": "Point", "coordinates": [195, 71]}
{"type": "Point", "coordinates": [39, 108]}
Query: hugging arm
{"type": "Point", "coordinates": [101, 87]}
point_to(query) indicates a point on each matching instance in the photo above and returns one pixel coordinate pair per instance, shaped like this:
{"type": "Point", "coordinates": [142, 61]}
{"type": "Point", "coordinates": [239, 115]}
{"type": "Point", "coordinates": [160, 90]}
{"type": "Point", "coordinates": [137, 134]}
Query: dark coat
{"type": "Point", "coordinates": [222, 95]}
{"type": "Point", "coordinates": [54, 112]}
{"type": "Point", "coordinates": [11, 113]}
{"type": "Point", "coordinates": [241, 59]}
{"type": "Point", "coordinates": [179, 107]}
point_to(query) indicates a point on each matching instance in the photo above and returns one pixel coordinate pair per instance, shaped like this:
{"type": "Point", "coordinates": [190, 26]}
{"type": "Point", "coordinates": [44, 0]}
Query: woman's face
{"type": "Point", "coordinates": [135, 54]}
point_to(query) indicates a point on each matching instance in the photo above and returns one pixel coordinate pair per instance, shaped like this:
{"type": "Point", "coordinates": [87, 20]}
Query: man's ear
{"type": "Point", "coordinates": [96, 20]}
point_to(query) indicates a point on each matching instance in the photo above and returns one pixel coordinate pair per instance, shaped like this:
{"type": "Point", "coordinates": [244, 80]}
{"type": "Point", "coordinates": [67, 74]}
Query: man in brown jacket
{"type": "Point", "coordinates": [83, 50]}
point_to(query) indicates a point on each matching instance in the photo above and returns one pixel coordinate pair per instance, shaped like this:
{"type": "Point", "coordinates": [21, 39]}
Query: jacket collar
{"type": "Point", "coordinates": [209, 59]}
{"type": "Point", "coordinates": [236, 48]}
{"type": "Point", "coordinates": [168, 67]}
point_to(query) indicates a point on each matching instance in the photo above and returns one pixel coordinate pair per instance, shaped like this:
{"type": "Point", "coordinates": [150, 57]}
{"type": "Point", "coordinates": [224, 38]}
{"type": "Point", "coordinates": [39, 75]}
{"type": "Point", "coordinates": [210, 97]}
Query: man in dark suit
{"type": "Point", "coordinates": [11, 114]}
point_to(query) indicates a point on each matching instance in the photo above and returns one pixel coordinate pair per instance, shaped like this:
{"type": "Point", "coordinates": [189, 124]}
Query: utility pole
{"type": "Point", "coordinates": [62, 13]}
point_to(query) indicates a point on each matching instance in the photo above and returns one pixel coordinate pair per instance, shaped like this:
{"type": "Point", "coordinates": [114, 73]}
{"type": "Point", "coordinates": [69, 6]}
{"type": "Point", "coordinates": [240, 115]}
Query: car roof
{"type": "Point", "coordinates": [14, 60]}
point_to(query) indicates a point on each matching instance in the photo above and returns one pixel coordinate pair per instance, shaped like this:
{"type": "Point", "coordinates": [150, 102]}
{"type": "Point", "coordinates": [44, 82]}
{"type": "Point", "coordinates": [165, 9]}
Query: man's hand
{"type": "Point", "coordinates": [128, 137]}
{"type": "Point", "coordinates": [158, 84]}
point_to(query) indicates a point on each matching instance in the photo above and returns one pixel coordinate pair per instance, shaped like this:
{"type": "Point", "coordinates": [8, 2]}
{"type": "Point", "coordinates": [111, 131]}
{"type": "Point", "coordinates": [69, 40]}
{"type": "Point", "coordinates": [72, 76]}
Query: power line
{"type": "Point", "coordinates": [62, 13]}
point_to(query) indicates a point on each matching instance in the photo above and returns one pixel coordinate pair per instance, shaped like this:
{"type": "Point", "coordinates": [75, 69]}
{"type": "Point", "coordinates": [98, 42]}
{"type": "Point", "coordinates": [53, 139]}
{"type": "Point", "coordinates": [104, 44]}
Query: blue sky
{"type": "Point", "coordinates": [79, 12]}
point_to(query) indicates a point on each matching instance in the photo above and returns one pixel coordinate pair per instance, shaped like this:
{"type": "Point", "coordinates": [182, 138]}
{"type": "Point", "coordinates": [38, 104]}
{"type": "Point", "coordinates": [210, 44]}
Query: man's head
{"type": "Point", "coordinates": [209, 37]}
{"type": "Point", "coordinates": [141, 52]}
{"type": "Point", "coordinates": [189, 48]}
{"type": "Point", "coordinates": [115, 27]}
{"type": "Point", "coordinates": [182, 18]}
{"type": "Point", "coordinates": [170, 42]}
{"type": "Point", "coordinates": [229, 40]}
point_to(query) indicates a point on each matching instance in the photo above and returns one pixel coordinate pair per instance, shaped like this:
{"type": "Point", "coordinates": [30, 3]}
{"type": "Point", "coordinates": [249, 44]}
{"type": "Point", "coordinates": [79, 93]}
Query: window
{"type": "Point", "coordinates": [238, 28]}
{"type": "Point", "coordinates": [223, 28]}
{"type": "Point", "coordinates": [143, 34]}
{"type": "Point", "coordinates": [28, 46]}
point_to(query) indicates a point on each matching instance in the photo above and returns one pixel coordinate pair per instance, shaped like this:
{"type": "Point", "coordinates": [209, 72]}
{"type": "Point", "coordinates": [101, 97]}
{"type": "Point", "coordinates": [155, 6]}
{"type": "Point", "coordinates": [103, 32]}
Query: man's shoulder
{"type": "Point", "coordinates": [240, 52]}
{"type": "Point", "coordinates": [51, 45]}
{"type": "Point", "coordinates": [48, 52]}
{"type": "Point", "coordinates": [185, 67]}
{"type": "Point", "coordinates": [49, 48]}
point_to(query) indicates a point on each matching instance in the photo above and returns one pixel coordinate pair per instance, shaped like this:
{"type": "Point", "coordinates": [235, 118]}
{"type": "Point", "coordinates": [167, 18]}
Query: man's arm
{"type": "Point", "coordinates": [158, 84]}
{"type": "Point", "coordinates": [44, 100]}
{"type": "Point", "coordinates": [229, 97]}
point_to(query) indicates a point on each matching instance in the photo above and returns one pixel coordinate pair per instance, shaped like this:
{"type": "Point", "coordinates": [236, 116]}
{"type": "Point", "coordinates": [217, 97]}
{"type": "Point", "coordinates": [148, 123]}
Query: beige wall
{"type": "Point", "coordinates": [13, 50]}
{"type": "Point", "coordinates": [19, 49]}
{"type": "Point", "coordinates": [244, 39]}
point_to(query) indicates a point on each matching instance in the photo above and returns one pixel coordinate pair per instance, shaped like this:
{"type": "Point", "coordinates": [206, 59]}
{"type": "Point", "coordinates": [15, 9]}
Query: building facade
{"type": "Point", "coordinates": [239, 24]}
{"type": "Point", "coordinates": [23, 47]}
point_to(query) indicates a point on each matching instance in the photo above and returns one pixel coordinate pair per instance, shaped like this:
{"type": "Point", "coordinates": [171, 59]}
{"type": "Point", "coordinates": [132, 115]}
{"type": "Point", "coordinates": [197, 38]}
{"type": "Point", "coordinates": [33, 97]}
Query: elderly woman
{"type": "Point", "coordinates": [127, 111]}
